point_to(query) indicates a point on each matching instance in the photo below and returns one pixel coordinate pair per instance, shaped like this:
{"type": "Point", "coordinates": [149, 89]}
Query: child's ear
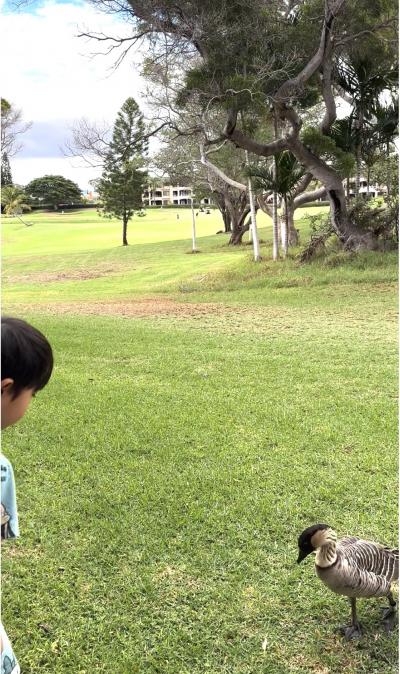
{"type": "Point", "coordinates": [6, 385]}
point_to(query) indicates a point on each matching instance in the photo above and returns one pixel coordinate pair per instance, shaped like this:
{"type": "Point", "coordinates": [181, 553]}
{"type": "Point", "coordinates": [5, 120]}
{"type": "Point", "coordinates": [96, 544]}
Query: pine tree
{"type": "Point", "coordinates": [6, 177]}
{"type": "Point", "coordinates": [121, 184]}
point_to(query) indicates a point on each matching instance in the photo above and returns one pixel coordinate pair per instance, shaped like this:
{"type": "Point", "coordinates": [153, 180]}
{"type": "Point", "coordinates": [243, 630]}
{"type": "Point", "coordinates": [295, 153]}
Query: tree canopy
{"type": "Point", "coordinates": [53, 191]}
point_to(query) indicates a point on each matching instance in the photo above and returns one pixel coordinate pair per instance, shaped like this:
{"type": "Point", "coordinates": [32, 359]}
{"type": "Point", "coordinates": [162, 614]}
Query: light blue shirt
{"type": "Point", "coordinates": [9, 529]}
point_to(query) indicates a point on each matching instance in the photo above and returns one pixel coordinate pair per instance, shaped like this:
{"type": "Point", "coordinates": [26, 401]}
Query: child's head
{"type": "Point", "coordinates": [26, 367]}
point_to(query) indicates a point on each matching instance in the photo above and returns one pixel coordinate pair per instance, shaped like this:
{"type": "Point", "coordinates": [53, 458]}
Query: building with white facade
{"type": "Point", "coordinates": [374, 190]}
{"type": "Point", "coordinates": [169, 195]}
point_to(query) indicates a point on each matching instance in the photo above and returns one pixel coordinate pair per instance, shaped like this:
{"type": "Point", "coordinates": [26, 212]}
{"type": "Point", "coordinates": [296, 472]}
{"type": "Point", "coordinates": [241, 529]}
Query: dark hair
{"type": "Point", "coordinates": [26, 355]}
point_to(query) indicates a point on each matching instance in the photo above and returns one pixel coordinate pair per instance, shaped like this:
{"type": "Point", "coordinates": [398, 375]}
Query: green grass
{"type": "Point", "coordinates": [82, 230]}
{"type": "Point", "coordinates": [60, 233]}
{"type": "Point", "coordinates": [166, 471]}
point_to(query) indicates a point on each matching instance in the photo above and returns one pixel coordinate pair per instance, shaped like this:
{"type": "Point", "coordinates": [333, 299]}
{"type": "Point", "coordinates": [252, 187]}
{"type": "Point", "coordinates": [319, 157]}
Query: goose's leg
{"type": "Point", "coordinates": [389, 614]}
{"type": "Point", "coordinates": [352, 631]}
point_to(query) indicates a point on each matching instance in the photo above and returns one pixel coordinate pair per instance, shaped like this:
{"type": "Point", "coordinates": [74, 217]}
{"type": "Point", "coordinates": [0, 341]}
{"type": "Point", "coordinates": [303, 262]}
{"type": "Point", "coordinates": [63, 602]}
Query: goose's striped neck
{"type": "Point", "coordinates": [325, 544]}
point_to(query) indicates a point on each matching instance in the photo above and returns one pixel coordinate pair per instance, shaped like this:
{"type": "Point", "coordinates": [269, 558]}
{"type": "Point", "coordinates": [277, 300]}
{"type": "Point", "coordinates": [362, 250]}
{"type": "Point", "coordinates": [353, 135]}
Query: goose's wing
{"type": "Point", "coordinates": [347, 541]}
{"type": "Point", "coordinates": [372, 557]}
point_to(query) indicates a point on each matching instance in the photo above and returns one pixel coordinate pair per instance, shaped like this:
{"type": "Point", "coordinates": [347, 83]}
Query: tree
{"type": "Point", "coordinates": [185, 160]}
{"type": "Point", "coordinates": [241, 57]}
{"type": "Point", "coordinates": [283, 181]}
{"type": "Point", "coordinates": [53, 191]}
{"type": "Point", "coordinates": [6, 177]}
{"type": "Point", "coordinates": [12, 126]}
{"type": "Point", "coordinates": [121, 185]}
{"type": "Point", "coordinates": [13, 200]}
{"type": "Point", "coordinates": [364, 78]}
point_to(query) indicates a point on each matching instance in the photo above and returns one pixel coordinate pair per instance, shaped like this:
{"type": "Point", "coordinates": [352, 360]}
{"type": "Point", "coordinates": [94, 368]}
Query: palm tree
{"type": "Point", "coordinates": [283, 181]}
{"type": "Point", "coordinates": [13, 200]}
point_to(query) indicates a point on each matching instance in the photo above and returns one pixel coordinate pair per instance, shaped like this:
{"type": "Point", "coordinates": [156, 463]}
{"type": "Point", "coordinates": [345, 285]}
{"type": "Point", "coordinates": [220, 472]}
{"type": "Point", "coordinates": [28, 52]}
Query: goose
{"type": "Point", "coordinates": [354, 568]}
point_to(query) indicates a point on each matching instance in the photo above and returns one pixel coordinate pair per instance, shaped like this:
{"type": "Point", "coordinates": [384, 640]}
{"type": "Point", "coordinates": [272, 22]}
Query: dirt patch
{"type": "Point", "coordinates": [153, 306]}
{"type": "Point", "coordinates": [230, 320]}
{"type": "Point", "coordinates": [51, 277]}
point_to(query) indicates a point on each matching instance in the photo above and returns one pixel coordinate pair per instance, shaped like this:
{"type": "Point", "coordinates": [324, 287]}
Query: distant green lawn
{"type": "Point", "coordinates": [81, 230]}
{"type": "Point", "coordinates": [166, 471]}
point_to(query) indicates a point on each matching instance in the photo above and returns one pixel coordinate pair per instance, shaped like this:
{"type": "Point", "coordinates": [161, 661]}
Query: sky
{"type": "Point", "coordinates": [52, 76]}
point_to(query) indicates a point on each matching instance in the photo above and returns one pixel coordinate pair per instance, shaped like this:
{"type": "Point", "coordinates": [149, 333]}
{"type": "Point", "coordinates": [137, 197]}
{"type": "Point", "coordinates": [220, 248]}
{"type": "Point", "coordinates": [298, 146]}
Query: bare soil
{"type": "Point", "coordinates": [149, 306]}
{"type": "Point", "coordinates": [51, 277]}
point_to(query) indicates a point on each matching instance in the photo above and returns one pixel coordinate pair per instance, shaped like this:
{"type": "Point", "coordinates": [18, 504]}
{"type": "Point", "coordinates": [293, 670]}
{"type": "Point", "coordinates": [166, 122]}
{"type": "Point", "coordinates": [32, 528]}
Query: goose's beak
{"type": "Point", "coordinates": [302, 555]}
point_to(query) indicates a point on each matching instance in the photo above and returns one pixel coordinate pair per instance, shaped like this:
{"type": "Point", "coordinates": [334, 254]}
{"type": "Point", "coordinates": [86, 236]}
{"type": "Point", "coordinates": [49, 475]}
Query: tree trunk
{"type": "Point", "coordinates": [124, 230]}
{"type": "Point", "coordinates": [227, 221]}
{"type": "Point", "coordinates": [293, 235]}
{"type": "Point", "coordinates": [359, 130]}
{"type": "Point", "coordinates": [238, 232]}
{"type": "Point", "coordinates": [388, 173]}
{"type": "Point", "coordinates": [238, 210]}
{"type": "Point", "coordinates": [253, 219]}
{"type": "Point", "coordinates": [275, 216]}
{"type": "Point", "coordinates": [275, 227]}
{"type": "Point", "coordinates": [351, 237]}
{"type": "Point", "coordinates": [219, 198]}
{"type": "Point", "coordinates": [193, 227]}
{"type": "Point", "coordinates": [358, 172]}
{"type": "Point", "coordinates": [272, 211]}
{"type": "Point", "coordinates": [285, 242]}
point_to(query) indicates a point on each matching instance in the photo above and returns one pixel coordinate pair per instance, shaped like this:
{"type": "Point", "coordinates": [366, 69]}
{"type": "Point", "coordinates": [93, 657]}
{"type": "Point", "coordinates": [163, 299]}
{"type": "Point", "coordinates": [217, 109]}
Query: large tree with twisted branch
{"type": "Point", "coordinates": [263, 56]}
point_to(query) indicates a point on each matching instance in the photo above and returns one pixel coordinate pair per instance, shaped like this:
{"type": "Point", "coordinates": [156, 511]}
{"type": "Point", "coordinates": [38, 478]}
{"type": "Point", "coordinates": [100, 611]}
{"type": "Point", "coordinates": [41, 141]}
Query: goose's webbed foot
{"type": "Point", "coordinates": [353, 631]}
{"type": "Point", "coordinates": [389, 614]}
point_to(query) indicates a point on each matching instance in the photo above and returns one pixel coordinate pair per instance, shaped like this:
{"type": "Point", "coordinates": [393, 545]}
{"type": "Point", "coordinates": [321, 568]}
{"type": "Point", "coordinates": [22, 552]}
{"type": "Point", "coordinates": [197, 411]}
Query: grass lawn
{"type": "Point", "coordinates": [202, 412]}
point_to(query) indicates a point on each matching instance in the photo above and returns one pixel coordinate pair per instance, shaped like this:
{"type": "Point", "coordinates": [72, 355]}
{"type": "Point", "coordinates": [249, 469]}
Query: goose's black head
{"type": "Point", "coordinates": [306, 544]}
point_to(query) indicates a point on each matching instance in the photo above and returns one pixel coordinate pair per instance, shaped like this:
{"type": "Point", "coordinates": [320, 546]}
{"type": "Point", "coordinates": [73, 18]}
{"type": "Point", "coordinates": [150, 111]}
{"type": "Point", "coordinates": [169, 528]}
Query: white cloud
{"type": "Point", "coordinates": [48, 73]}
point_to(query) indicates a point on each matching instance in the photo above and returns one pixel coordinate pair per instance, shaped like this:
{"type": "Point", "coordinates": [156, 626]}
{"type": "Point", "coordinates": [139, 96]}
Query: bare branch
{"type": "Point", "coordinates": [89, 142]}
{"type": "Point", "coordinates": [327, 93]}
{"type": "Point", "coordinates": [215, 149]}
{"type": "Point", "coordinates": [219, 173]}
{"type": "Point", "coordinates": [390, 23]}
{"type": "Point", "coordinates": [12, 126]}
